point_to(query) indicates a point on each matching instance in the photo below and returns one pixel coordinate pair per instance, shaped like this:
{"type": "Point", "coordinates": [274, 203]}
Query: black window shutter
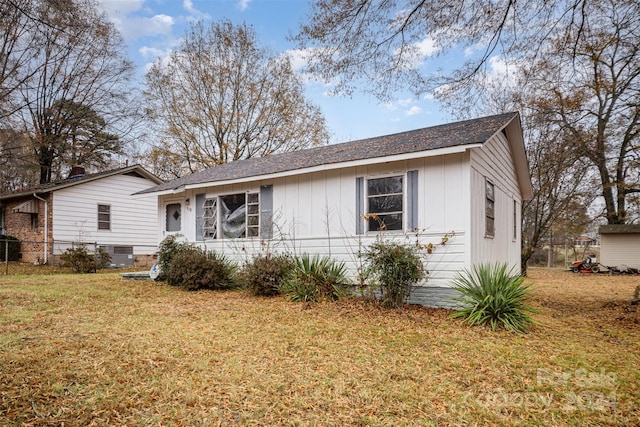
{"type": "Point", "coordinates": [360, 205]}
{"type": "Point", "coordinates": [412, 200]}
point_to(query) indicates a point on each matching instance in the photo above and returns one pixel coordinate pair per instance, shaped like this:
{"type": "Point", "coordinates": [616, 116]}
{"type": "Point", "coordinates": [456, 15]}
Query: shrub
{"type": "Point", "coordinates": [315, 279]}
{"type": "Point", "coordinates": [267, 273]}
{"type": "Point", "coordinates": [11, 245]}
{"type": "Point", "coordinates": [395, 269]}
{"type": "Point", "coordinates": [168, 249]}
{"type": "Point", "coordinates": [494, 295]}
{"type": "Point", "coordinates": [195, 268]}
{"type": "Point", "coordinates": [82, 261]}
{"type": "Point", "coordinates": [103, 259]}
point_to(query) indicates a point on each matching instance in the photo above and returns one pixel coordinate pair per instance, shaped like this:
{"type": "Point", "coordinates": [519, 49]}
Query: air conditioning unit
{"type": "Point", "coordinates": [121, 256]}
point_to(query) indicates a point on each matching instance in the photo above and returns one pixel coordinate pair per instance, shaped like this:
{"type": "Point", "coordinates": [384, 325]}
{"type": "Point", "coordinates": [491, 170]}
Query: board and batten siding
{"type": "Point", "coordinates": [134, 221]}
{"type": "Point", "coordinates": [315, 213]}
{"type": "Point", "coordinates": [617, 249]}
{"type": "Point", "coordinates": [493, 161]}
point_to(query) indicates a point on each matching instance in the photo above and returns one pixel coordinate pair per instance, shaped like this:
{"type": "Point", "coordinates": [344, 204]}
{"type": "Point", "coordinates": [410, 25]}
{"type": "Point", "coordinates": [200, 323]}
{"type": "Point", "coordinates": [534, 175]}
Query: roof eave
{"type": "Point", "coordinates": [515, 137]}
{"type": "Point", "coordinates": [325, 167]}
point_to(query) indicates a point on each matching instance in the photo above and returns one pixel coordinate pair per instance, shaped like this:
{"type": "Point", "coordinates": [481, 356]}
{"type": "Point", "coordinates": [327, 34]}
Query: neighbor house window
{"type": "Point", "coordinates": [490, 215]}
{"type": "Point", "coordinates": [34, 221]}
{"type": "Point", "coordinates": [384, 203]}
{"type": "Point", "coordinates": [104, 217]}
{"type": "Point", "coordinates": [174, 217]}
{"type": "Point", "coordinates": [231, 216]}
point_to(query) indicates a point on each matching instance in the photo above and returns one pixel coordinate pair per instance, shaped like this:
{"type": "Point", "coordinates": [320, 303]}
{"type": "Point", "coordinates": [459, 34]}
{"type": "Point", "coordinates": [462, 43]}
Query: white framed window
{"type": "Point", "coordinates": [489, 209]}
{"type": "Point", "coordinates": [104, 217]}
{"type": "Point", "coordinates": [385, 203]}
{"type": "Point", "coordinates": [231, 216]}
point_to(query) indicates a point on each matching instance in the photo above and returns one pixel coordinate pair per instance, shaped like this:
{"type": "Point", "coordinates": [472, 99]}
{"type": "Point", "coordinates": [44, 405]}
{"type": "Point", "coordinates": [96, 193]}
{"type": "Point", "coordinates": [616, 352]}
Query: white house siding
{"type": "Point", "coordinates": [493, 161]}
{"type": "Point", "coordinates": [618, 249]}
{"type": "Point", "coordinates": [315, 213]}
{"type": "Point", "coordinates": [133, 219]}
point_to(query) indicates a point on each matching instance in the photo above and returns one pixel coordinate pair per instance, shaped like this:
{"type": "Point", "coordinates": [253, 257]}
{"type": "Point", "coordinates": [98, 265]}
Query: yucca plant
{"type": "Point", "coordinates": [315, 278]}
{"type": "Point", "coordinates": [494, 295]}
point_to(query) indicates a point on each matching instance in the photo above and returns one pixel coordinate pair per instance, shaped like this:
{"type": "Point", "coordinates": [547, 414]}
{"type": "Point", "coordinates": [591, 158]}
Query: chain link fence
{"type": "Point", "coordinates": [27, 256]}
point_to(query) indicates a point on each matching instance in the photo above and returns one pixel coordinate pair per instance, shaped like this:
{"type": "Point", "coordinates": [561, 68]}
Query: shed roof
{"type": "Point", "coordinates": [463, 133]}
{"type": "Point", "coordinates": [619, 229]}
{"type": "Point", "coordinates": [57, 185]}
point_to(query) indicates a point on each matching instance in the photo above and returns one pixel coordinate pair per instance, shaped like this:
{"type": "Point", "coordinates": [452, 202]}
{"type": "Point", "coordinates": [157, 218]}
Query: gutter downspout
{"type": "Point", "coordinates": [46, 227]}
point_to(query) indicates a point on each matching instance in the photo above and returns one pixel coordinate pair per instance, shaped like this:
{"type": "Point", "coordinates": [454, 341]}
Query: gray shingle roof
{"type": "Point", "coordinates": [443, 136]}
{"type": "Point", "coordinates": [57, 185]}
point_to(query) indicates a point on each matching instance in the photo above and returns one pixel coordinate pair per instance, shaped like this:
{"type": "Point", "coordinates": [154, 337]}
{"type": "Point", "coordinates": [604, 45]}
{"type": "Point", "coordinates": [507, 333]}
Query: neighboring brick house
{"type": "Point", "coordinates": [94, 208]}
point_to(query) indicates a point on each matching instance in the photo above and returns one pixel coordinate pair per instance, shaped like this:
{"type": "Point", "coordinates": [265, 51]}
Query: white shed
{"type": "Point", "coordinates": [620, 245]}
{"type": "Point", "coordinates": [462, 182]}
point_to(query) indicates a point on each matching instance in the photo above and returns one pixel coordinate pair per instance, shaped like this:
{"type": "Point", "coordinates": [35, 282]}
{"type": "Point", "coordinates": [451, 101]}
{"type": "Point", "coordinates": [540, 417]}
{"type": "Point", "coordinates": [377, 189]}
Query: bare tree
{"type": "Point", "coordinates": [65, 57]}
{"type": "Point", "coordinates": [387, 41]}
{"type": "Point", "coordinates": [16, 161]}
{"type": "Point", "coordinates": [221, 97]}
{"type": "Point", "coordinates": [592, 97]}
{"type": "Point", "coordinates": [562, 187]}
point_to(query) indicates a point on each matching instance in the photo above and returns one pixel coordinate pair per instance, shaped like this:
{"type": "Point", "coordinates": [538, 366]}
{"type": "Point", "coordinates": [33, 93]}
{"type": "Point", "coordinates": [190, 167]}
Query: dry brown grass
{"type": "Point", "coordinates": [99, 350]}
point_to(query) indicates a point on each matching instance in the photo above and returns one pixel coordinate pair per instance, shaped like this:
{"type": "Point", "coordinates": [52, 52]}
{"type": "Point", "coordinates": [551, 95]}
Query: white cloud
{"type": "Point", "coordinates": [188, 6]}
{"type": "Point", "coordinates": [133, 27]}
{"type": "Point", "coordinates": [405, 102]}
{"type": "Point", "coordinates": [427, 47]}
{"type": "Point", "coordinates": [121, 8]}
{"type": "Point", "coordinates": [152, 53]}
{"type": "Point", "coordinates": [298, 58]}
{"type": "Point", "coordinates": [415, 54]}
{"type": "Point", "coordinates": [414, 111]}
{"type": "Point", "coordinates": [243, 4]}
{"type": "Point", "coordinates": [194, 14]}
{"type": "Point", "coordinates": [503, 71]}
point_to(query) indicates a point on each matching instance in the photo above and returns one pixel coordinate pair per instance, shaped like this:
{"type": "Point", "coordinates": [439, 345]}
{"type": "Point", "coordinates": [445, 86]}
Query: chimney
{"type": "Point", "coordinates": [77, 171]}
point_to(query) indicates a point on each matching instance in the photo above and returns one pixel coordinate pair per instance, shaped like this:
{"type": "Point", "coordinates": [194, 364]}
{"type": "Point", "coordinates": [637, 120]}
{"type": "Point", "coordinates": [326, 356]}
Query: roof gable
{"type": "Point", "coordinates": [135, 170]}
{"type": "Point", "coordinates": [466, 133]}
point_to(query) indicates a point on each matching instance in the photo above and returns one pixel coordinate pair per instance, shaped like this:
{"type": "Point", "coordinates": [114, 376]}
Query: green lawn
{"type": "Point", "coordinates": [80, 350]}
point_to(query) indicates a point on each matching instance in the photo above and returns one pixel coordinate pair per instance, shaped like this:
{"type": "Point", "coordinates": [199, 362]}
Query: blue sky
{"type": "Point", "coordinates": [152, 28]}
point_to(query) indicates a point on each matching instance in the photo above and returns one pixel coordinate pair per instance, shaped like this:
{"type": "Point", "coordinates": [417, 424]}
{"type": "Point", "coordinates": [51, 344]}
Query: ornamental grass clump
{"type": "Point", "coordinates": [395, 269]}
{"type": "Point", "coordinates": [314, 279]}
{"type": "Point", "coordinates": [494, 295]}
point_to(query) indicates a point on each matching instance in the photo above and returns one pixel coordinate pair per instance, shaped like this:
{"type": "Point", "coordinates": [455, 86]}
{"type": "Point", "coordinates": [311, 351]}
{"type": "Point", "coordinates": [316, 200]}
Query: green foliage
{"type": "Point", "coordinates": [82, 261]}
{"type": "Point", "coordinates": [13, 248]}
{"type": "Point", "coordinates": [195, 268]}
{"type": "Point", "coordinates": [267, 273]}
{"type": "Point", "coordinates": [395, 269]}
{"type": "Point", "coordinates": [493, 294]}
{"type": "Point", "coordinates": [315, 279]}
{"type": "Point", "coordinates": [168, 249]}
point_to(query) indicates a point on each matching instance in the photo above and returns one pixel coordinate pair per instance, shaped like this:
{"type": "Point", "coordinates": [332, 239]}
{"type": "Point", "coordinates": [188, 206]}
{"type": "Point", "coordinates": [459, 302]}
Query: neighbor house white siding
{"type": "Point", "coordinates": [494, 162]}
{"type": "Point", "coordinates": [133, 219]}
